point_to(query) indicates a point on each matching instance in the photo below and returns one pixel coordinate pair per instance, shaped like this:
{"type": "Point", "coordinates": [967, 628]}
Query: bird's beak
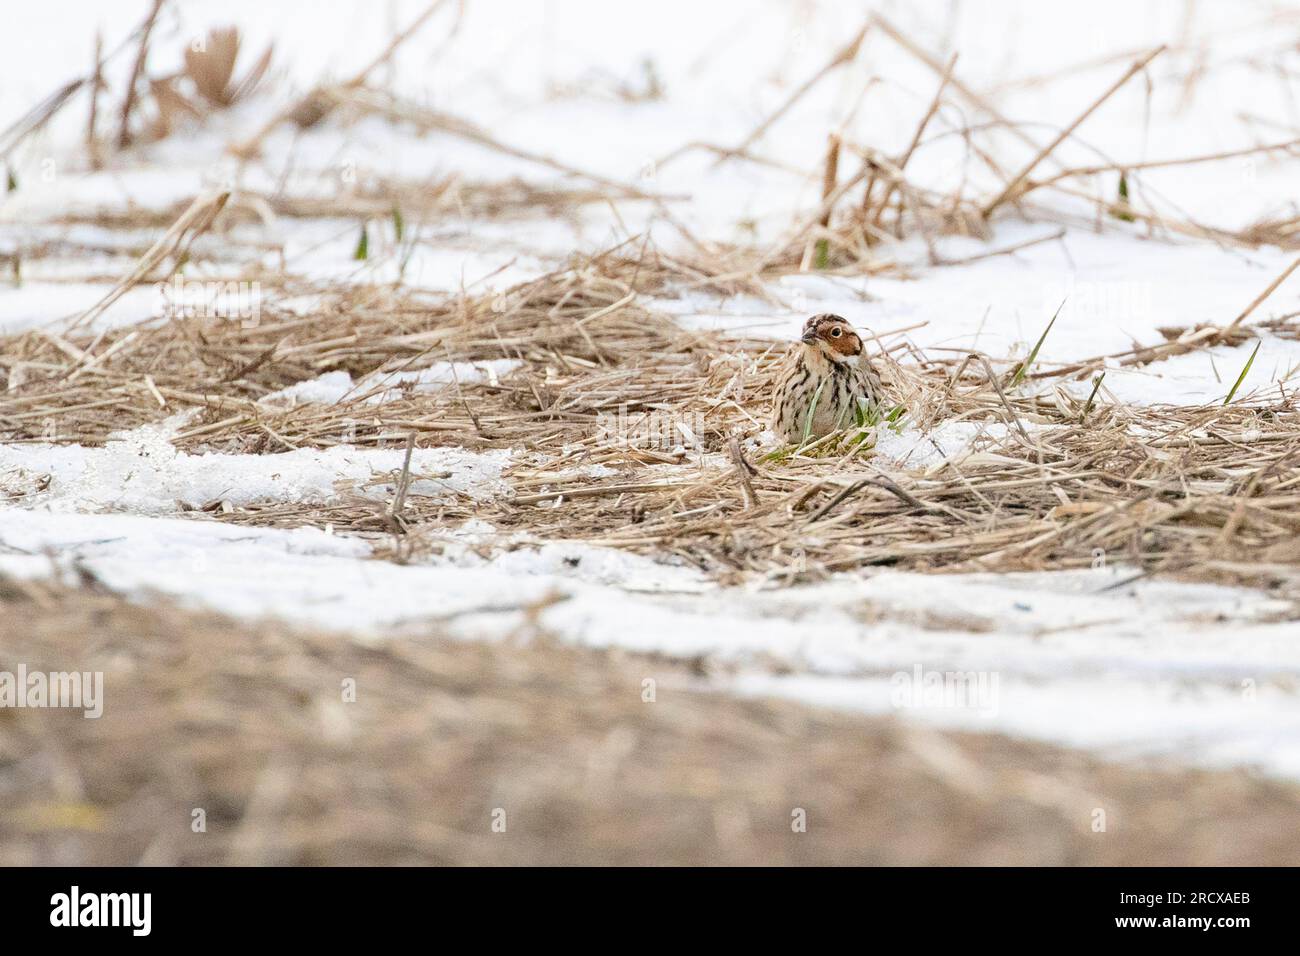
{"type": "Point", "coordinates": [809, 337]}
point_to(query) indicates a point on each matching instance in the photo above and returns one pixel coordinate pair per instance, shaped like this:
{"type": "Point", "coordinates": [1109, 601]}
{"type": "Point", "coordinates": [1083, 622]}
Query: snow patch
{"type": "Point", "coordinates": [143, 473]}
{"type": "Point", "coordinates": [334, 387]}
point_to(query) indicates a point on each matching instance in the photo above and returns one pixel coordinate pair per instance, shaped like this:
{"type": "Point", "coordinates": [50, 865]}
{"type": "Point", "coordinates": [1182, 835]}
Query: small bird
{"type": "Point", "coordinates": [826, 380]}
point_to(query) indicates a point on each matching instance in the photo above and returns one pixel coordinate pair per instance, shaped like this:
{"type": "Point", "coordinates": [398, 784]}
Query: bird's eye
{"type": "Point", "coordinates": [836, 333]}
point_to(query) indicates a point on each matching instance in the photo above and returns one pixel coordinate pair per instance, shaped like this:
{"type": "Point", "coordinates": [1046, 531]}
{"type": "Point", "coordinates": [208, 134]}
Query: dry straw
{"type": "Point", "coordinates": [1208, 490]}
{"type": "Point", "coordinates": [1057, 475]}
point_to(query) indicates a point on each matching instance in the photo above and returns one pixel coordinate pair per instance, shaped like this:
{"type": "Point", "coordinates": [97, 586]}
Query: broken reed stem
{"type": "Point", "coordinates": [196, 220]}
{"type": "Point", "coordinates": [389, 106]}
{"type": "Point", "coordinates": [44, 111]}
{"type": "Point", "coordinates": [844, 55]}
{"type": "Point", "coordinates": [315, 101]}
{"type": "Point", "coordinates": [396, 42]}
{"type": "Point", "coordinates": [1009, 250]}
{"type": "Point", "coordinates": [979, 102]}
{"type": "Point", "coordinates": [1272, 286]}
{"type": "Point", "coordinates": [96, 82]}
{"type": "Point", "coordinates": [1011, 189]}
{"type": "Point", "coordinates": [137, 71]}
{"type": "Point", "coordinates": [997, 387]}
{"type": "Point", "coordinates": [1289, 144]}
{"type": "Point", "coordinates": [944, 79]}
{"type": "Point", "coordinates": [865, 213]}
{"type": "Point", "coordinates": [830, 176]}
{"type": "Point", "coordinates": [403, 482]}
{"type": "Point", "coordinates": [743, 470]}
{"type": "Point", "coordinates": [848, 492]}
{"type": "Point", "coordinates": [36, 117]}
{"type": "Point", "coordinates": [813, 221]}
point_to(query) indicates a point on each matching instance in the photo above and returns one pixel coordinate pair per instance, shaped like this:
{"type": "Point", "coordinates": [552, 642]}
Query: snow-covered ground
{"type": "Point", "coordinates": [1201, 672]}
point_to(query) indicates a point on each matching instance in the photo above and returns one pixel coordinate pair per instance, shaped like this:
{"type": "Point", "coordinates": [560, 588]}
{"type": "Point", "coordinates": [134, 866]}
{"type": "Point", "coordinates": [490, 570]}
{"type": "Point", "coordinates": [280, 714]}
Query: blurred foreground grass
{"type": "Point", "coordinates": [248, 724]}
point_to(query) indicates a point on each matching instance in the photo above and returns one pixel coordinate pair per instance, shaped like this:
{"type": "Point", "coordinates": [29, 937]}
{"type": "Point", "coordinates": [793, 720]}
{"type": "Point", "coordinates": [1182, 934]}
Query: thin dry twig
{"type": "Point", "coordinates": [137, 72]}
{"type": "Point", "coordinates": [1011, 190]}
{"type": "Point", "coordinates": [1272, 287]}
{"type": "Point", "coordinates": [743, 469]}
{"type": "Point", "coordinates": [314, 105]}
{"type": "Point", "coordinates": [846, 54]}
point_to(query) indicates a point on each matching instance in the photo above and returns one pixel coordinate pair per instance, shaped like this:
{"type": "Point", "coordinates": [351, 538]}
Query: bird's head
{"type": "Point", "coordinates": [833, 337]}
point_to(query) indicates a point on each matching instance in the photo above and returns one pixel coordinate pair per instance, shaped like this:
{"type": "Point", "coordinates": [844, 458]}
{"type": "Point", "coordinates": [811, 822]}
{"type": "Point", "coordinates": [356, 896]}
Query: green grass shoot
{"type": "Point", "coordinates": [1120, 209]}
{"type": "Point", "coordinates": [822, 256]}
{"type": "Point", "coordinates": [1242, 377]}
{"type": "Point", "coordinates": [861, 435]}
{"type": "Point", "coordinates": [1024, 366]}
{"type": "Point", "coordinates": [812, 410]}
{"type": "Point", "coordinates": [1096, 385]}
